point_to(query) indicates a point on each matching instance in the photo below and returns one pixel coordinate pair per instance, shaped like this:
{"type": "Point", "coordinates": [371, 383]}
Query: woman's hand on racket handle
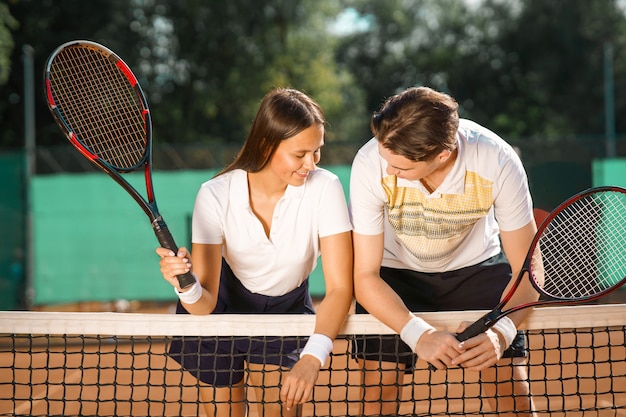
{"type": "Point", "coordinates": [174, 264]}
{"type": "Point", "coordinates": [480, 352]}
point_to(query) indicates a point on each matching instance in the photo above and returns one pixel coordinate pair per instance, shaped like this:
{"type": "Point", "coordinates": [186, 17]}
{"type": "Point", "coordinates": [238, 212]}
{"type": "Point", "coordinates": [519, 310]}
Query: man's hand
{"type": "Point", "coordinates": [480, 352]}
{"type": "Point", "coordinates": [439, 348]}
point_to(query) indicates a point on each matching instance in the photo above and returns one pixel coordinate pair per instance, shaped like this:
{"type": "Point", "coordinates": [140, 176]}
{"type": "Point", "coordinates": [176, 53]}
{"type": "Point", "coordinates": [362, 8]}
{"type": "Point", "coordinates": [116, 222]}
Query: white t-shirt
{"type": "Point", "coordinates": [276, 265]}
{"type": "Point", "coordinates": [456, 225]}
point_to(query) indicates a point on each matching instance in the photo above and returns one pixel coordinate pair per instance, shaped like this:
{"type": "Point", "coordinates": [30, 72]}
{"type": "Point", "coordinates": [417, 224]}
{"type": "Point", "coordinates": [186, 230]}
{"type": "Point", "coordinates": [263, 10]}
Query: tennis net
{"type": "Point", "coordinates": [117, 364]}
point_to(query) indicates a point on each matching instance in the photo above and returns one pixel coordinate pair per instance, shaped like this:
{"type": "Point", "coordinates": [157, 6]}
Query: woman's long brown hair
{"type": "Point", "coordinates": [282, 114]}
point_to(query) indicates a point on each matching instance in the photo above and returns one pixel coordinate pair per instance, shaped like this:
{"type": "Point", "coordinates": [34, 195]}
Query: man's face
{"type": "Point", "coordinates": [405, 168]}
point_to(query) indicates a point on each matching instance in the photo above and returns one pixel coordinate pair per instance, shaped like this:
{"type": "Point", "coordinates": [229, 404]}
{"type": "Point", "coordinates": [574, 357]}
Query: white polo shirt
{"type": "Point", "coordinates": [456, 225]}
{"type": "Point", "coordinates": [276, 265]}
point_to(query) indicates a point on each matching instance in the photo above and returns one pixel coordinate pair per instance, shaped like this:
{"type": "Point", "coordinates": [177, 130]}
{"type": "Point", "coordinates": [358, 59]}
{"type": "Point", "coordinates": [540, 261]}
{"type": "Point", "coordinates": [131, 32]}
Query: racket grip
{"type": "Point", "coordinates": [167, 241]}
{"type": "Point", "coordinates": [479, 326]}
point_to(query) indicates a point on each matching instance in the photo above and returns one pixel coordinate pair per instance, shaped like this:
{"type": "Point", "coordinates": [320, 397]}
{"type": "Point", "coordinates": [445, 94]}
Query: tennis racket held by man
{"type": "Point", "coordinates": [577, 255]}
{"type": "Point", "coordinates": [99, 105]}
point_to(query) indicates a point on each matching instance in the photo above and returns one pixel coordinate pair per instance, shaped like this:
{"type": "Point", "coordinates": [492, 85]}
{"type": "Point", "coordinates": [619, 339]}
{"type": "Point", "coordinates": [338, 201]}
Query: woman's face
{"type": "Point", "coordinates": [297, 156]}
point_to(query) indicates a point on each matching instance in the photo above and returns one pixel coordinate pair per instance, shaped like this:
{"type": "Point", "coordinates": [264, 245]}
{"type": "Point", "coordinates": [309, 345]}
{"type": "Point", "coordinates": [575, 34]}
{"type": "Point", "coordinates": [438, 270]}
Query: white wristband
{"type": "Point", "coordinates": [507, 329]}
{"type": "Point", "coordinates": [318, 345]}
{"type": "Point", "coordinates": [193, 294]}
{"type": "Point", "coordinates": [413, 330]}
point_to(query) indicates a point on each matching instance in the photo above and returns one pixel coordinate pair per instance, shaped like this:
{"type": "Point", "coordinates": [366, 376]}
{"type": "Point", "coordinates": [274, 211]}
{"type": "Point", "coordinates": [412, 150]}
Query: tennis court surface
{"type": "Point", "coordinates": [115, 364]}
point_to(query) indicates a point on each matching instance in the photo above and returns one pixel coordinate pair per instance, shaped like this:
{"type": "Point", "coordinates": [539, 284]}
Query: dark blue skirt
{"type": "Point", "coordinates": [220, 361]}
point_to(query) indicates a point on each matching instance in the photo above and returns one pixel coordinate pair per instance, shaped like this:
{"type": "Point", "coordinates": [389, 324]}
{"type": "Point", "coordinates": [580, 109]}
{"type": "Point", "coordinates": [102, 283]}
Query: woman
{"type": "Point", "coordinates": [259, 227]}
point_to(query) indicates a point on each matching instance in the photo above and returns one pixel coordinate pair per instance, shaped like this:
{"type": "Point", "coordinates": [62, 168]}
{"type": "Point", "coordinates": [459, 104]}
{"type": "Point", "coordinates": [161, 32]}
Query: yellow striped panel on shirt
{"type": "Point", "coordinates": [431, 229]}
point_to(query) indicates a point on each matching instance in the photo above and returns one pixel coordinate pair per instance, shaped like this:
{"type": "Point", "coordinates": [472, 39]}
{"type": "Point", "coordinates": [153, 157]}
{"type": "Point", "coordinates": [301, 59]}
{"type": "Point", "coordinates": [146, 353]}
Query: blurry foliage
{"type": "Point", "coordinates": [523, 68]}
{"type": "Point", "coordinates": [44, 25]}
{"type": "Point", "coordinates": [204, 65]}
{"type": "Point", "coordinates": [7, 23]}
{"type": "Point", "coordinates": [526, 69]}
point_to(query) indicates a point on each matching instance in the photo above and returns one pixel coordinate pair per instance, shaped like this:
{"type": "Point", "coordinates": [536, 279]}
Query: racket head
{"type": "Point", "coordinates": [579, 251]}
{"type": "Point", "coordinates": [99, 105]}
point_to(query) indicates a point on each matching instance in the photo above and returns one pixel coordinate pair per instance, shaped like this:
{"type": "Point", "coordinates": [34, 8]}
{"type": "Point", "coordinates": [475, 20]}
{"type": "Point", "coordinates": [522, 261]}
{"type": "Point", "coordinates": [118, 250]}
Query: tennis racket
{"type": "Point", "coordinates": [578, 254]}
{"type": "Point", "coordinates": [97, 102]}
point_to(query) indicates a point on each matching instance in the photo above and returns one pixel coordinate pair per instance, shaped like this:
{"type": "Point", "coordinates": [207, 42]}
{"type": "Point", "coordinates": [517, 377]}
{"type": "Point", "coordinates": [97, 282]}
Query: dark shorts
{"type": "Point", "coordinates": [477, 287]}
{"type": "Point", "coordinates": [220, 361]}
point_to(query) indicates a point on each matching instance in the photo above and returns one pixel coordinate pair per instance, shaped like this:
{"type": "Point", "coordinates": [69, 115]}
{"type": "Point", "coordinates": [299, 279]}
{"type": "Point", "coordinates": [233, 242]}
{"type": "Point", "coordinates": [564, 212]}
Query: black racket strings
{"type": "Point", "coordinates": [100, 105]}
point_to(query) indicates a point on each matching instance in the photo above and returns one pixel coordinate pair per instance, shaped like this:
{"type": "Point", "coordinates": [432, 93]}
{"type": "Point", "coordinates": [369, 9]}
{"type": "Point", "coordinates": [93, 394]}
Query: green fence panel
{"type": "Point", "coordinates": [12, 225]}
{"type": "Point", "coordinates": [609, 172]}
{"type": "Point", "coordinates": [93, 243]}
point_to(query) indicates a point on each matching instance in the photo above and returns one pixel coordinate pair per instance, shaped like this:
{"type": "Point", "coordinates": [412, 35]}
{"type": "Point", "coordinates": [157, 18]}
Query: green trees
{"type": "Point", "coordinates": [531, 68]}
{"type": "Point", "coordinates": [527, 69]}
{"type": "Point", "coordinates": [7, 23]}
{"type": "Point", "coordinates": [204, 64]}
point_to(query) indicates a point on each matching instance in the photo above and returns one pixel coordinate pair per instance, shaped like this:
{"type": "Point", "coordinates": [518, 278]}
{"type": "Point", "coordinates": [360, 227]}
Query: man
{"type": "Point", "coordinates": [443, 220]}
